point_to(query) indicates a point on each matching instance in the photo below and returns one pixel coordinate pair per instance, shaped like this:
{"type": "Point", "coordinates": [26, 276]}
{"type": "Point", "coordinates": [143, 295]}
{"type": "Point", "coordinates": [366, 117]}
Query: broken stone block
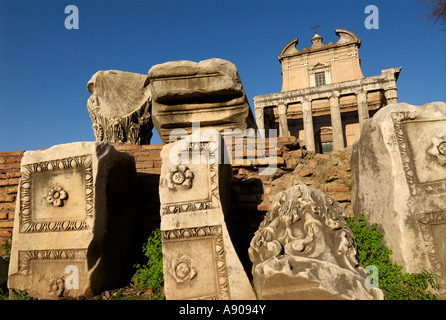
{"type": "Point", "coordinates": [208, 92]}
{"type": "Point", "coordinates": [119, 107]}
{"type": "Point", "coordinates": [399, 173]}
{"type": "Point", "coordinates": [304, 249]}
{"type": "Point", "coordinates": [199, 259]}
{"type": "Point", "coordinates": [73, 220]}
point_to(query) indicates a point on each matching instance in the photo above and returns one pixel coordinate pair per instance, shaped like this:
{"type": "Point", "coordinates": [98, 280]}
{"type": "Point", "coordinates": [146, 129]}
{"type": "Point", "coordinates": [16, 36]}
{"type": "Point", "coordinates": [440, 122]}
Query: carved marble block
{"type": "Point", "coordinates": [199, 259]}
{"type": "Point", "coordinates": [209, 92]}
{"type": "Point", "coordinates": [73, 220]}
{"type": "Point", "coordinates": [304, 249]}
{"type": "Point", "coordinates": [119, 107]}
{"type": "Point", "coordinates": [399, 176]}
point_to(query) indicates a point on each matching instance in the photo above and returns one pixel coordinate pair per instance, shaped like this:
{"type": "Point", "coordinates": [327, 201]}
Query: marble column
{"type": "Point", "coordinates": [308, 125]}
{"type": "Point", "coordinates": [260, 120]}
{"type": "Point", "coordinates": [363, 109]}
{"type": "Point", "coordinates": [336, 123]}
{"type": "Point", "coordinates": [391, 95]}
{"type": "Point", "coordinates": [283, 121]}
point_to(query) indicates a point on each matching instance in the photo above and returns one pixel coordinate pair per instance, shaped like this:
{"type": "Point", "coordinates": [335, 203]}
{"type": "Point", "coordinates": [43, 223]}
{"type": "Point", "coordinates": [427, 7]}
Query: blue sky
{"type": "Point", "coordinates": [44, 68]}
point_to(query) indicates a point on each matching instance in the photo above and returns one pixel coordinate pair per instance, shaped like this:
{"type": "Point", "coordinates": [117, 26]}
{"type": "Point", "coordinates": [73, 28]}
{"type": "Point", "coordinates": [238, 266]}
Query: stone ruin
{"type": "Point", "coordinates": [209, 92]}
{"type": "Point", "coordinates": [399, 166]}
{"type": "Point", "coordinates": [199, 259]}
{"type": "Point", "coordinates": [305, 250]}
{"type": "Point", "coordinates": [75, 203]}
{"type": "Point", "coordinates": [120, 106]}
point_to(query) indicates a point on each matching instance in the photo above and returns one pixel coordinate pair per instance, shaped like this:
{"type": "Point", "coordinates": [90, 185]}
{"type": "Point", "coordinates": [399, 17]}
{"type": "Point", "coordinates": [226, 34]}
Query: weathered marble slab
{"type": "Point", "coordinates": [199, 259]}
{"type": "Point", "coordinates": [208, 92]}
{"type": "Point", "coordinates": [399, 175]}
{"type": "Point", "coordinates": [74, 215]}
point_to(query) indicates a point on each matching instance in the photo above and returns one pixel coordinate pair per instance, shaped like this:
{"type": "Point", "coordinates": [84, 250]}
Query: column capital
{"type": "Point", "coordinates": [334, 94]}
{"type": "Point", "coordinates": [306, 104]}
{"type": "Point", "coordinates": [259, 112]}
{"type": "Point", "coordinates": [361, 96]}
{"type": "Point", "coordinates": [282, 108]}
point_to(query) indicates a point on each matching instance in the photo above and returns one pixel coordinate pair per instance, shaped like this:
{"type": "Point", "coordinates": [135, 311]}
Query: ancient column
{"type": "Point", "coordinates": [308, 125]}
{"type": "Point", "coordinates": [363, 111]}
{"type": "Point", "coordinates": [260, 119]}
{"type": "Point", "coordinates": [336, 122]}
{"type": "Point", "coordinates": [391, 95]}
{"type": "Point", "coordinates": [283, 121]}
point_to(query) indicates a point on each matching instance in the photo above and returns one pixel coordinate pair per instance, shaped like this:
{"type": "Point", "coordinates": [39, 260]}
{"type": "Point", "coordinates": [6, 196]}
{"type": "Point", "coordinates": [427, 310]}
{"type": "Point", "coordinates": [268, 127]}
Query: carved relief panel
{"type": "Point", "coordinates": [192, 275]}
{"type": "Point", "coordinates": [422, 145]}
{"type": "Point", "coordinates": [57, 195]}
{"type": "Point", "coordinates": [199, 260]}
{"type": "Point", "coordinates": [71, 201]}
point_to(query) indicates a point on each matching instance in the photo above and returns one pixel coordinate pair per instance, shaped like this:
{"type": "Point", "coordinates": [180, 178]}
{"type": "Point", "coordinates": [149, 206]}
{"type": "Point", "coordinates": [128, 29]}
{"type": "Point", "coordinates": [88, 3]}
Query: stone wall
{"type": "Point", "coordinates": [251, 193]}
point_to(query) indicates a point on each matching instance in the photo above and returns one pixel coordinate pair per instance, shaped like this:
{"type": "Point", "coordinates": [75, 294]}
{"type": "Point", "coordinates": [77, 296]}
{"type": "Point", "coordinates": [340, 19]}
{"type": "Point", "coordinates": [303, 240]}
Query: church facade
{"type": "Point", "coordinates": [325, 98]}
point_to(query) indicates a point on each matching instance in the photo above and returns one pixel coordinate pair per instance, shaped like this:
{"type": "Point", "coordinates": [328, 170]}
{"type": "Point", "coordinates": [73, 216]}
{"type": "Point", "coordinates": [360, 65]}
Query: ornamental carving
{"type": "Point", "coordinates": [56, 196]}
{"type": "Point", "coordinates": [26, 257]}
{"type": "Point", "coordinates": [435, 251]}
{"type": "Point", "coordinates": [304, 239]}
{"type": "Point", "coordinates": [120, 107]}
{"type": "Point", "coordinates": [182, 269]}
{"type": "Point", "coordinates": [180, 178]}
{"type": "Point", "coordinates": [184, 265]}
{"type": "Point", "coordinates": [305, 222]}
{"type": "Point", "coordinates": [435, 150]}
{"type": "Point", "coordinates": [56, 286]}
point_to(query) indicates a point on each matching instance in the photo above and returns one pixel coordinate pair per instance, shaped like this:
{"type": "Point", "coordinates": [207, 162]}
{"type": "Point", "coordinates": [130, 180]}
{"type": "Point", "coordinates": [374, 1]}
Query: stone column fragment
{"type": "Point", "coordinates": [308, 125]}
{"type": "Point", "coordinates": [304, 249]}
{"type": "Point", "coordinates": [283, 121]}
{"type": "Point", "coordinates": [208, 92]}
{"type": "Point", "coordinates": [199, 259]}
{"type": "Point", "coordinates": [120, 107]}
{"type": "Point", "coordinates": [363, 109]}
{"type": "Point", "coordinates": [73, 220]}
{"type": "Point", "coordinates": [336, 123]}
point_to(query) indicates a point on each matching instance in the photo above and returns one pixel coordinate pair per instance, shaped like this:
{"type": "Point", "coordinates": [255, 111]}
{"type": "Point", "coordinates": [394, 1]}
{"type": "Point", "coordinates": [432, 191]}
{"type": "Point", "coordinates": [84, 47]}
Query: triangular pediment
{"type": "Point", "coordinates": [319, 65]}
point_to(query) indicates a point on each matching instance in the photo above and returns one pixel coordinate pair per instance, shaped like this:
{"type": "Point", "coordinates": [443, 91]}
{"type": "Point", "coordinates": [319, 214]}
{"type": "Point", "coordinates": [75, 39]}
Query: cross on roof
{"type": "Point", "coordinates": [315, 27]}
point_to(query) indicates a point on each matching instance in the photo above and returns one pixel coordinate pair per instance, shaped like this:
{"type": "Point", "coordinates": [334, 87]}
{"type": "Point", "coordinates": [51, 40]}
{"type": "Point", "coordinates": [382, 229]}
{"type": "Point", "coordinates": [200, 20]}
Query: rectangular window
{"type": "Point", "coordinates": [319, 79]}
{"type": "Point", "coordinates": [327, 147]}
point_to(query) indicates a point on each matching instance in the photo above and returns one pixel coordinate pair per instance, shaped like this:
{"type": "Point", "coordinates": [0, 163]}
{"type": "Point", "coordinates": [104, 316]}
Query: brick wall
{"type": "Point", "coordinates": [9, 180]}
{"type": "Point", "coordinates": [251, 193]}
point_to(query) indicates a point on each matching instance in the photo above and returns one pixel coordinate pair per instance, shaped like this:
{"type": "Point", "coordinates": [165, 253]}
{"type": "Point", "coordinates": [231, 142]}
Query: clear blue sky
{"type": "Point", "coordinates": [44, 68]}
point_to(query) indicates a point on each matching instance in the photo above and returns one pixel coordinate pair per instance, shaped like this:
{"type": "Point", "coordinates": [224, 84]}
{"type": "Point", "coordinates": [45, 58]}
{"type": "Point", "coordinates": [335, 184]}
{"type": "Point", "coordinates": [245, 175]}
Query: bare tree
{"type": "Point", "coordinates": [437, 10]}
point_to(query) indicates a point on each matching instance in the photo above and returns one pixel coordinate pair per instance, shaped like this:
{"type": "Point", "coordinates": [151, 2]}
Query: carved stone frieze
{"type": "Point", "coordinates": [35, 178]}
{"type": "Point", "coordinates": [189, 259]}
{"type": "Point", "coordinates": [193, 151]}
